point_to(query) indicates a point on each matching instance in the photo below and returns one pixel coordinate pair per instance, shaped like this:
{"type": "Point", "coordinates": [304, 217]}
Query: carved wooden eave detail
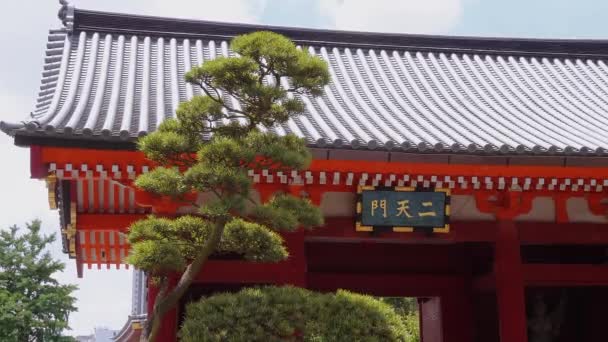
{"type": "Point", "coordinates": [51, 185]}
{"type": "Point", "coordinates": [70, 230]}
{"type": "Point", "coordinates": [505, 205]}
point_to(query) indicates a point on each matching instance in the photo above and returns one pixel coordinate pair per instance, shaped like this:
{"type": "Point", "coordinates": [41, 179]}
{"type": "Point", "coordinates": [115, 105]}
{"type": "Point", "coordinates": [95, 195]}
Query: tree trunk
{"type": "Point", "coordinates": [164, 304]}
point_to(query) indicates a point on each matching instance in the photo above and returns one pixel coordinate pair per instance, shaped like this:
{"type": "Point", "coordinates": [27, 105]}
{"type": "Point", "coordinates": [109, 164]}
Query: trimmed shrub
{"type": "Point", "coordinates": [291, 314]}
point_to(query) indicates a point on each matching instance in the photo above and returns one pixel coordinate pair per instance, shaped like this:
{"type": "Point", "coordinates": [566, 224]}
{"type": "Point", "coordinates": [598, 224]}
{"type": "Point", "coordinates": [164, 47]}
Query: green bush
{"type": "Point", "coordinates": [407, 309]}
{"type": "Point", "coordinates": [291, 314]}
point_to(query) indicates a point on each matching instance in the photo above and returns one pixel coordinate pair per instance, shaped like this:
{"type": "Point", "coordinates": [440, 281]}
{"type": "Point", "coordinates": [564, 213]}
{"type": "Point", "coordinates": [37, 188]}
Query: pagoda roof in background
{"type": "Point", "coordinates": [110, 78]}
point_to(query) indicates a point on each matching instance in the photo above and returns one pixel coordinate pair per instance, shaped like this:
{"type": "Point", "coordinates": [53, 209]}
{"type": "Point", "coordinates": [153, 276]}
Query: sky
{"type": "Point", "coordinates": [104, 297]}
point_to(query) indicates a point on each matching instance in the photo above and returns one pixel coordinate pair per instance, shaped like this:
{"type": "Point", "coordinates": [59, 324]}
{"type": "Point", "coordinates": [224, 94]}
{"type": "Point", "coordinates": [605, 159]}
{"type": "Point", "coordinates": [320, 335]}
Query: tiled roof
{"type": "Point", "coordinates": [115, 77]}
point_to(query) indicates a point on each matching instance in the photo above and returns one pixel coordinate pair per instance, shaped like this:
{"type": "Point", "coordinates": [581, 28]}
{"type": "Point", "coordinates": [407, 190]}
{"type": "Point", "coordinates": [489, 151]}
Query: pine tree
{"type": "Point", "coordinates": [33, 305]}
{"type": "Point", "coordinates": [209, 148]}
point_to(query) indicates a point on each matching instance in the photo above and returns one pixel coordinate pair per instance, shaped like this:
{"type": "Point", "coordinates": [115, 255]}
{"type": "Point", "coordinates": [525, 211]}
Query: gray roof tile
{"type": "Point", "coordinates": [111, 83]}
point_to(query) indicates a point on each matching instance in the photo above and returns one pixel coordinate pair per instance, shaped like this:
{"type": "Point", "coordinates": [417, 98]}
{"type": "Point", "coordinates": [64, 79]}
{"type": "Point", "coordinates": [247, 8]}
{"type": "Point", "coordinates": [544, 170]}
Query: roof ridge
{"type": "Point", "coordinates": [122, 23]}
{"type": "Point", "coordinates": [66, 14]}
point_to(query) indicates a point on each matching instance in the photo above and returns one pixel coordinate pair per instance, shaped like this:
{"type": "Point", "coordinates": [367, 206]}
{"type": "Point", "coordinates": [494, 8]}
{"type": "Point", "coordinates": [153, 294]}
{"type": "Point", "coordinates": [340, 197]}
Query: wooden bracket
{"type": "Point", "coordinates": [505, 205]}
{"type": "Point", "coordinates": [561, 207]}
{"type": "Point", "coordinates": [313, 193]}
{"type": "Point", "coordinates": [164, 205]}
{"type": "Point", "coordinates": [598, 204]}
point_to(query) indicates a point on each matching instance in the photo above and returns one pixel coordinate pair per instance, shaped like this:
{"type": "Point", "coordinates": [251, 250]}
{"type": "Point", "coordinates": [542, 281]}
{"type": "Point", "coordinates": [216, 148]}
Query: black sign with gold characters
{"type": "Point", "coordinates": [403, 209]}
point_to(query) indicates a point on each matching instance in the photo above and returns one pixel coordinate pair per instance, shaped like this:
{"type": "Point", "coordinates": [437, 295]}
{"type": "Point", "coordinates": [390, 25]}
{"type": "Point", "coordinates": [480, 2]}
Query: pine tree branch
{"type": "Point", "coordinates": [166, 303]}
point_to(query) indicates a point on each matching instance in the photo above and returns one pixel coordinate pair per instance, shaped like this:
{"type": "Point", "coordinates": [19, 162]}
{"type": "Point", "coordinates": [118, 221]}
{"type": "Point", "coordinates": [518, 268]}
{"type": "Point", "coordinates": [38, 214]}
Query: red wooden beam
{"type": "Point", "coordinates": [118, 222]}
{"type": "Point", "coordinates": [565, 275]}
{"type": "Point", "coordinates": [242, 272]}
{"type": "Point", "coordinates": [107, 158]}
{"type": "Point", "coordinates": [536, 233]}
{"type": "Point", "coordinates": [551, 275]}
{"type": "Point", "coordinates": [530, 233]}
{"type": "Point", "coordinates": [343, 229]}
{"type": "Point", "coordinates": [401, 285]}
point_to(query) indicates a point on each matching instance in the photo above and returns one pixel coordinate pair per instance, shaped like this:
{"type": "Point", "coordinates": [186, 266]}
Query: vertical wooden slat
{"type": "Point", "coordinates": [84, 246]}
{"type": "Point", "coordinates": [117, 249]}
{"type": "Point", "coordinates": [89, 249]}
{"type": "Point", "coordinates": [84, 187]}
{"type": "Point", "coordinates": [116, 197]}
{"type": "Point", "coordinates": [95, 195]}
{"type": "Point", "coordinates": [78, 194]}
{"type": "Point", "coordinates": [107, 248]}
{"type": "Point", "coordinates": [98, 247]}
{"type": "Point", "coordinates": [106, 195]}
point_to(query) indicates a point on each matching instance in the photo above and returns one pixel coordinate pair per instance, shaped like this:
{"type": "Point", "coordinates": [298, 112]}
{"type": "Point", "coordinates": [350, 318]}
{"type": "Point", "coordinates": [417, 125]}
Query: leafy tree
{"type": "Point", "coordinates": [407, 309]}
{"type": "Point", "coordinates": [209, 148]}
{"type": "Point", "coordinates": [33, 305]}
{"type": "Point", "coordinates": [291, 314]}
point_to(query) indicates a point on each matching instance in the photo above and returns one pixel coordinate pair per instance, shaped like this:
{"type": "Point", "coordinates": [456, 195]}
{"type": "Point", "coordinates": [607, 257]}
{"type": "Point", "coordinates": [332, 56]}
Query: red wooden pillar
{"type": "Point", "coordinates": [295, 271]}
{"type": "Point", "coordinates": [168, 329]}
{"type": "Point", "coordinates": [510, 284]}
{"type": "Point", "coordinates": [457, 316]}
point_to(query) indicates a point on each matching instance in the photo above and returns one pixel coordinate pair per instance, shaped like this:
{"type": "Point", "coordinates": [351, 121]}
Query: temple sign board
{"type": "Point", "coordinates": [403, 209]}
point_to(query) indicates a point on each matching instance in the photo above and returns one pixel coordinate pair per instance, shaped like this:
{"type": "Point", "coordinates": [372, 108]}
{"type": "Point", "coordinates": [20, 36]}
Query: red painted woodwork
{"type": "Point", "coordinates": [241, 272]}
{"type": "Point", "coordinates": [598, 204]}
{"type": "Point", "coordinates": [107, 221]}
{"type": "Point", "coordinates": [168, 330]}
{"type": "Point", "coordinates": [37, 164]}
{"type": "Point", "coordinates": [341, 229]}
{"type": "Point", "coordinates": [385, 264]}
{"type": "Point", "coordinates": [505, 205]}
{"type": "Point", "coordinates": [565, 275]}
{"type": "Point", "coordinates": [532, 233]}
{"type": "Point", "coordinates": [387, 285]}
{"type": "Point", "coordinates": [551, 275]}
{"type": "Point", "coordinates": [107, 158]}
{"type": "Point", "coordinates": [510, 285]}
{"type": "Point", "coordinates": [163, 205]}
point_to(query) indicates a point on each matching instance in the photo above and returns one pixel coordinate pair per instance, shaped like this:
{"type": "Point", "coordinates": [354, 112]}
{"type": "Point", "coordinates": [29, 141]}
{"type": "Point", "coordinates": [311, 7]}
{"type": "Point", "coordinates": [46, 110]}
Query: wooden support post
{"type": "Point", "coordinates": [168, 329]}
{"type": "Point", "coordinates": [295, 271]}
{"type": "Point", "coordinates": [38, 168]}
{"type": "Point", "coordinates": [510, 284]}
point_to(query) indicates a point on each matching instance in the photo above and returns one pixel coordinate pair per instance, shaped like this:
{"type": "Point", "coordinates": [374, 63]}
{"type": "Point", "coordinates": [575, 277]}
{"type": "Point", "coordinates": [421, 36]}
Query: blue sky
{"type": "Point", "coordinates": [104, 296]}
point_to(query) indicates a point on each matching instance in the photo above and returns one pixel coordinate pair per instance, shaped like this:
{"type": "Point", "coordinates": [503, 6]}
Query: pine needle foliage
{"type": "Point", "coordinates": [209, 147]}
{"type": "Point", "coordinates": [270, 314]}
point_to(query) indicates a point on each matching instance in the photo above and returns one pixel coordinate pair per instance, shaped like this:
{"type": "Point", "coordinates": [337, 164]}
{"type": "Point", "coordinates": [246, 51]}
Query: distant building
{"type": "Point", "coordinates": [132, 328]}
{"type": "Point", "coordinates": [100, 335]}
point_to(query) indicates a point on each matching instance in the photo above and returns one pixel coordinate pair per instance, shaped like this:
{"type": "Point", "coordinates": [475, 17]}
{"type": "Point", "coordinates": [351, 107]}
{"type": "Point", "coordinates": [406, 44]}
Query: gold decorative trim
{"type": "Point", "coordinates": [361, 228]}
{"type": "Point", "coordinates": [51, 185]}
{"type": "Point", "coordinates": [444, 230]}
{"type": "Point", "coordinates": [71, 230]}
{"type": "Point", "coordinates": [70, 235]}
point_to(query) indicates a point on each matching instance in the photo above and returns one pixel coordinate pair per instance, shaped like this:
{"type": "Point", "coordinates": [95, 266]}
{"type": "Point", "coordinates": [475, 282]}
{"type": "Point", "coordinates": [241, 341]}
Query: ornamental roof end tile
{"type": "Point", "coordinates": [116, 77]}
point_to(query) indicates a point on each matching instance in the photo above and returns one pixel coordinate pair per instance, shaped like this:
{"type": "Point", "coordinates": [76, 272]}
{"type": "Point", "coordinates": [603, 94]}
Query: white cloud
{"type": "Point", "coordinates": [401, 16]}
